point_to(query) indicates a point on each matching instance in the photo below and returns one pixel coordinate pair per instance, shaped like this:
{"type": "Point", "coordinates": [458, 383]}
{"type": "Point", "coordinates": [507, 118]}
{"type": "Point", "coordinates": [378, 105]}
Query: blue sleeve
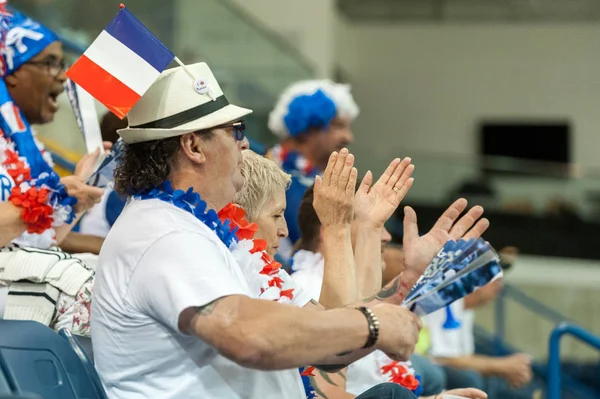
{"type": "Point", "coordinates": [114, 206]}
{"type": "Point", "coordinates": [293, 197]}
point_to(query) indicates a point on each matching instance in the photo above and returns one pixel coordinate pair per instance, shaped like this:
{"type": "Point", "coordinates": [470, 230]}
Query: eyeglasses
{"type": "Point", "coordinates": [53, 67]}
{"type": "Point", "coordinates": [239, 129]}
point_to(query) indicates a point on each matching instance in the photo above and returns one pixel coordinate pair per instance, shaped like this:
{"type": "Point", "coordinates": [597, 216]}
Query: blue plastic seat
{"type": "Point", "coordinates": [84, 355]}
{"type": "Point", "coordinates": [35, 360]}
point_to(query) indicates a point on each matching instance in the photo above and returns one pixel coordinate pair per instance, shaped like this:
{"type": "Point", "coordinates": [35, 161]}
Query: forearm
{"type": "Point", "coordinates": [11, 223]}
{"type": "Point", "coordinates": [339, 278]}
{"type": "Point", "coordinates": [81, 243]}
{"type": "Point", "coordinates": [65, 229]}
{"type": "Point", "coordinates": [488, 366]}
{"type": "Point", "coordinates": [330, 385]}
{"type": "Point", "coordinates": [367, 260]}
{"type": "Point", "coordinates": [269, 336]}
{"type": "Point", "coordinates": [395, 291]}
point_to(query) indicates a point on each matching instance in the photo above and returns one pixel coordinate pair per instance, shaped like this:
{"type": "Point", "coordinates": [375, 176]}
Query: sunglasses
{"type": "Point", "coordinates": [239, 129]}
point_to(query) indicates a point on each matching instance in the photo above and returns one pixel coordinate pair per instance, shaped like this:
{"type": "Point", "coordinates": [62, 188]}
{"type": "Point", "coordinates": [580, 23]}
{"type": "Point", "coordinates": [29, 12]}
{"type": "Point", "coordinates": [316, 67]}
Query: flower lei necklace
{"type": "Point", "coordinates": [264, 276]}
{"type": "Point", "coordinates": [293, 161]}
{"type": "Point", "coordinates": [403, 374]}
{"type": "Point", "coordinates": [44, 200]}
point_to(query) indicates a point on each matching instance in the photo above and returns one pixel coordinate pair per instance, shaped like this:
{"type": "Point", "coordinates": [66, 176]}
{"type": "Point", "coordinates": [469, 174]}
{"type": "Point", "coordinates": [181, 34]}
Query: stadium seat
{"type": "Point", "coordinates": [35, 360]}
{"type": "Point", "coordinates": [78, 344]}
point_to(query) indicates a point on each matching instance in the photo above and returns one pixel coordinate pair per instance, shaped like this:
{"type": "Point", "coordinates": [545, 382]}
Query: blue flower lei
{"type": "Point", "coordinates": [58, 197]}
{"type": "Point", "coordinates": [191, 202]}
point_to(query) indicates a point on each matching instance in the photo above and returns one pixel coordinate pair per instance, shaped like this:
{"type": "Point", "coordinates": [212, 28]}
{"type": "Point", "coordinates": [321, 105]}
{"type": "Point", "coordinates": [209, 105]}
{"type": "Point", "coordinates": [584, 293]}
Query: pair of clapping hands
{"type": "Point", "coordinates": [337, 203]}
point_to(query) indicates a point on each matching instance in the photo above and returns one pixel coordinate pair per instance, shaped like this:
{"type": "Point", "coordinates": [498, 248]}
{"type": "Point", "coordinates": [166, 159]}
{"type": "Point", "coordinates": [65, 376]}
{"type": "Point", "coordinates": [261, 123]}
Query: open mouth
{"type": "Point", "coordinates": [53, 99]}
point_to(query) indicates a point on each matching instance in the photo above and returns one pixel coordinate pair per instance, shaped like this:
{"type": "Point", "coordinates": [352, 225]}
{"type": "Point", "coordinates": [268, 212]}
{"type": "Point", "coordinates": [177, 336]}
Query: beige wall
{"type": "Point", "coordinates": [423, 87]}
{"type": "Point", "coordinates": [307, 24]}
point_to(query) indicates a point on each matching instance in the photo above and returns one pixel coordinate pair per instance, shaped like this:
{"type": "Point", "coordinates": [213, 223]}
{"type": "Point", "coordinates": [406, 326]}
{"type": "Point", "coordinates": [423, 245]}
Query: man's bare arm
{"type": "Point", "coordinates": [269, 336]}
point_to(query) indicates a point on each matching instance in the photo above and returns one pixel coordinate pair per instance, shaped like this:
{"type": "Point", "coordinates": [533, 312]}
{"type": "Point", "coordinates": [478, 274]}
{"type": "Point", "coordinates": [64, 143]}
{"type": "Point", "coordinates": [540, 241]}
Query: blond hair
{"type": "Point", "coordinates": [262, 178]}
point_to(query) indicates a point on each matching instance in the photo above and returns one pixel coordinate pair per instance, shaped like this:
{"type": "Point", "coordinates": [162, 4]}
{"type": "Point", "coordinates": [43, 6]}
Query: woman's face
{"type": "Point", "coordinates": [271, 222]}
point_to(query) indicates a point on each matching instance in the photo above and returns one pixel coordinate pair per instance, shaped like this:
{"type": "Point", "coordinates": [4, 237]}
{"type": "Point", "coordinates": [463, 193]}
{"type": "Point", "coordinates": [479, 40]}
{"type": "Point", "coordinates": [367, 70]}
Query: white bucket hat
{"type": "Point", "coordinates": [176, 104]}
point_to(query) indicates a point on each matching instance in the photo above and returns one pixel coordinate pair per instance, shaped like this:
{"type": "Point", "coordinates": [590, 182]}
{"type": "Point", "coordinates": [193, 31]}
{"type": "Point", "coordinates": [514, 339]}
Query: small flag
{"type": "Point", "coordinates": [121, 64]}
{"type": "Point", "coordinates": [84, 108]}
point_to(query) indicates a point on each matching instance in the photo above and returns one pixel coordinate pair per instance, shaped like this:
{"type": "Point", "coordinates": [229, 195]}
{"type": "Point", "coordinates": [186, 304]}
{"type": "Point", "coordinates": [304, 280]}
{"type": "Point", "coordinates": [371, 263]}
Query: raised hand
{"type": "Point", "coordinates": [85, 166]}
{"type": "Point", "coordinates": [334, 193]}
{"type": "Point", "coordinates": [375, 203]}
{"type": "Point", "coordinates": [419, 251]}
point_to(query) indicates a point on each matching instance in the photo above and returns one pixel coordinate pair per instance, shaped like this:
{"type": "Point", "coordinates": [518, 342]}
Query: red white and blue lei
{"type": "Point", "coordinates": [265, 277]}
{"type": "Point", "coordinates": [44, 200]}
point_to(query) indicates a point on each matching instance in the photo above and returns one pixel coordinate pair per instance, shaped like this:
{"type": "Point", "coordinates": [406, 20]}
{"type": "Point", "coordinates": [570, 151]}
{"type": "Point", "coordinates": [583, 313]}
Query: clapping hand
{"type": "Point", "coordinates": [375, 203]}
{"type": "Point", "coordinates": [334, 193]}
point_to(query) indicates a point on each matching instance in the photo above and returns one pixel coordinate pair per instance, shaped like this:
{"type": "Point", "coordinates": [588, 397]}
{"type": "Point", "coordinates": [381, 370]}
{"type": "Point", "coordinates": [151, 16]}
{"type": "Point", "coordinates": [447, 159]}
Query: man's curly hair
{"type": "Point", "coordinates": [144, 166]}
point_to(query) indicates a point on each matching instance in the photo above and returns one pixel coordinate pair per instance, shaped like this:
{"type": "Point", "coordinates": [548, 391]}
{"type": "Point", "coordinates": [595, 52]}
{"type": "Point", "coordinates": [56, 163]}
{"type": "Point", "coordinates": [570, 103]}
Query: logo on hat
{"type": "Point", "coordinates": [201, 87]}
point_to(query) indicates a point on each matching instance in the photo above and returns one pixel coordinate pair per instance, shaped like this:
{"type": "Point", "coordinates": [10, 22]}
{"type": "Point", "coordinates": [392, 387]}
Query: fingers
{"type": "Point", "coordinates": [448, 218]}
{"type": "Point", "coordinates": [411, 230]}
{"type": "Point", "coordinates": [339, 167]}
{"type": "Point", "coordinates": [401, 193]}
{"type": "Point", "coordinates": [402, 173]}
{"type": "Point", "coordinates": [329, 169]}
{"type": "Point", "coordinates": [351, 185]}
{"type": "Point", "coordinates": [477, 231]}
{"type": "Point", "coordinates": [94, 192]}
{"type": "Point", "coordinates": [418, 322]}
{"type": "Point", "coordinates": [342, 181]}
{"type": "Point", "coordinates": [107, 145]}
{"type": "Point", "coordinates": [466, 222]}
{"type": "Point", "coordinates": [318, 184]}
{"type": "Point", "coordinates": [389, 172]}
{"type": "Point", "coordinates": [471, 393]}
{"type": "Point", "coordinates": [366, 182]}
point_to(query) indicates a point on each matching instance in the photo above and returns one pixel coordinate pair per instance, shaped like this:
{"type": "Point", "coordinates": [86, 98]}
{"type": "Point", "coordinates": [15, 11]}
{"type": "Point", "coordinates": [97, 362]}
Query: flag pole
{"type": "Point", "coordinates": [181, 64]}
{"type": "Point", "coordinates": [194, 79]}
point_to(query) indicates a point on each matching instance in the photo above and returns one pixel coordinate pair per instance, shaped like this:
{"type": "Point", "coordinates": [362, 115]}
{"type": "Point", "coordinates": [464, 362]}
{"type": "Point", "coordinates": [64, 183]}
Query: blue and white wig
{"type": "Point", "coordinates": [311, 104]}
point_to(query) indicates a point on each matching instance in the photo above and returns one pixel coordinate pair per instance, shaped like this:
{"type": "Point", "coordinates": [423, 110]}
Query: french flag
{"type": "Point", "coordinates": [121, 64]}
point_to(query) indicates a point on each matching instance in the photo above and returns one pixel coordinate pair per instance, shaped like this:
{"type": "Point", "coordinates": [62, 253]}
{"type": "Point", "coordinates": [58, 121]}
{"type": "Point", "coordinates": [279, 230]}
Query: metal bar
{"type": "Point", "coordinates": [534, 305]}
{"type": "Point", "coordinates": [499, 314]}
{"type": "Point", "coordinates": [553, 380]}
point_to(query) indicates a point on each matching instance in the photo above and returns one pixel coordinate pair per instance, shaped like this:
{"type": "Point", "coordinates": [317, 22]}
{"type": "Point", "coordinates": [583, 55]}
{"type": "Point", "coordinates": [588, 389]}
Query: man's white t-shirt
{"type": "Point", "coordinates": [451, 342]}
{"type": "Point", "coordinates": [156, 261]}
